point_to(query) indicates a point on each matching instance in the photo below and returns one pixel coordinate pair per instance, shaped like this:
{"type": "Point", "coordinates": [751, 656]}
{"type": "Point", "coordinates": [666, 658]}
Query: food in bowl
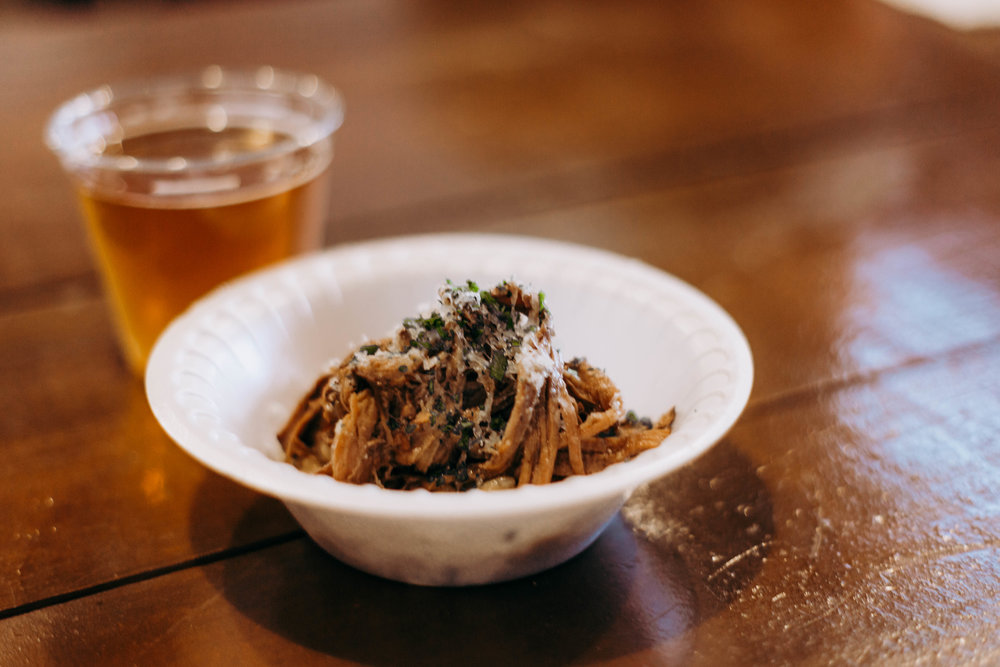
{"type": "Point", "coordinates": [472, 394]}
{"type": "Point", "coordinates": [226, 375]}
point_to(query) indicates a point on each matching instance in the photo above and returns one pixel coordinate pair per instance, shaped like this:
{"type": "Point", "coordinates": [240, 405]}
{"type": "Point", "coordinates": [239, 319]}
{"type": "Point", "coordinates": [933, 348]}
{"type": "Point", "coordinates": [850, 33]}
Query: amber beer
{"type": "Point", "coordinates": [187, 182]}
{"type": "Point", "coordinates": [158, 254]}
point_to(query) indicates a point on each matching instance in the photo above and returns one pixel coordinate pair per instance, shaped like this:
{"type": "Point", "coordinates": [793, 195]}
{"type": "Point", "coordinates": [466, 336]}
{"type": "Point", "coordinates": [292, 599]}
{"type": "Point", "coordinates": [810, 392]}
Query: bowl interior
{"type": "Point", "coordinates": [225, 375]}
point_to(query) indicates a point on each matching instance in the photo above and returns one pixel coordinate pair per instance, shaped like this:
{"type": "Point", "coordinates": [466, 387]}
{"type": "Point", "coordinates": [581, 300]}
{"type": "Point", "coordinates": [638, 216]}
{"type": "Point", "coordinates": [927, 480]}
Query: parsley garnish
{"type": "Point", "coordinates": [488, 298]}
{"type": "Point", "coordinates": [498, 365]}
{"type": "Point", "coordinates": [433, 323]}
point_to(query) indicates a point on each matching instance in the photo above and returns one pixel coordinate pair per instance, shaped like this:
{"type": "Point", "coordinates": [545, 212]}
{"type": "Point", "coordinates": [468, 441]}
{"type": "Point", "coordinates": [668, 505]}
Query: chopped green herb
{"type": "Point", "coordinates": [434, 323]}
{"type": "Point", "coordinates": [403, 369]}
{"type": "Point", "coordinates": [369, 349]}
{"type": "Point", "coordinates": [498, 365]}
{"type": "Point", "coordinates": [488, 298]}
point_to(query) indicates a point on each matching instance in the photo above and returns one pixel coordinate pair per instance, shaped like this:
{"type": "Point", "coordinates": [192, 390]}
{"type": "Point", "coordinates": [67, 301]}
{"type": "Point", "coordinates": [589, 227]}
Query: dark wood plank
{"type": "Point", "coordinates": [886, 529]}
{"type": "Point", "coordinates": [817, 549]}
{"type": "Point", "coordinates": [825, 172]}
{"type": "Point", "coordinates": [91, 489]}
{"type": "Point", "coordinates": [835, 268]}
{"type": "Point", "coordinates": [832, 272]}
{"type": "Point", "coordinates": [446, 104]}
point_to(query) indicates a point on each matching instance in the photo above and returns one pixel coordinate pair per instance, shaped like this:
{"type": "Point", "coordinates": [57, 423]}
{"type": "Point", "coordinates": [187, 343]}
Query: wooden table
{"type": "Point", "coordinates": [828, 172]}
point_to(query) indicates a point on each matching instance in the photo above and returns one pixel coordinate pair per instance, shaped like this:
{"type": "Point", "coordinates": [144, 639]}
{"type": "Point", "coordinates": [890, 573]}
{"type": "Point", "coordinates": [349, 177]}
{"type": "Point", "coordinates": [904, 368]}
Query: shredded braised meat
{"type": "Point", "coordinates": [472, 395]}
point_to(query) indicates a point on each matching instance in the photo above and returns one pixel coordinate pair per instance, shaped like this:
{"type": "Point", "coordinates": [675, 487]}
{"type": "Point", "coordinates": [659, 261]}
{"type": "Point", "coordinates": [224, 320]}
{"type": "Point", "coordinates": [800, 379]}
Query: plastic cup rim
{"type": "Point", "coordinates": [101, 98]}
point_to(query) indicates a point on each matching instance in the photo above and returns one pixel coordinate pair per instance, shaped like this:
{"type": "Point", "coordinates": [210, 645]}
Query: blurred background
{"type": "Point", "coordinates": [472, 112]}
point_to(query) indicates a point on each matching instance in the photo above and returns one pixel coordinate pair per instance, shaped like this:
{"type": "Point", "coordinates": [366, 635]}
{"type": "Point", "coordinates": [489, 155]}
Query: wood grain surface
{"type": "Point", "coordinates": [827, 172]}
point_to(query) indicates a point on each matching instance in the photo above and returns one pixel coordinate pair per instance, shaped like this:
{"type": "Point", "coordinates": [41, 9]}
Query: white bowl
{"type": "Point", "coordinates": [226, 374]}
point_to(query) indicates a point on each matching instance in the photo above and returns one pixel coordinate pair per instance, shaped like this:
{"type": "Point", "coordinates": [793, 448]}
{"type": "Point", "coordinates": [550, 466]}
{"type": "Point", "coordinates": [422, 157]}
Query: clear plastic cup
{"type": "Point", "coordinates": [188, 181]}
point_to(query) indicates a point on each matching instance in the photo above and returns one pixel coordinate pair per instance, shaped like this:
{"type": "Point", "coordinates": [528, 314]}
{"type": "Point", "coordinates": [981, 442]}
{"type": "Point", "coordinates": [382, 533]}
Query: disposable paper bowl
{"type": "Point", "coordinates": [226, 374]}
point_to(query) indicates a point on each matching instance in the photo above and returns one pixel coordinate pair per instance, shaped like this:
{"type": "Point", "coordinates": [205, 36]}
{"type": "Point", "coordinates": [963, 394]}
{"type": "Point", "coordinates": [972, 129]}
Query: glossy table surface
{"type": "Point", "coordinates": [827, 172]}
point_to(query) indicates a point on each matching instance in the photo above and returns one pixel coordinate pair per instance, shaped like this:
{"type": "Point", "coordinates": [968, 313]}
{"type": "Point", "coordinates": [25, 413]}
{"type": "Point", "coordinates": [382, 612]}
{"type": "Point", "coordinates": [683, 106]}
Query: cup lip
{"type": "Point", "coordinates": [265, 78]}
